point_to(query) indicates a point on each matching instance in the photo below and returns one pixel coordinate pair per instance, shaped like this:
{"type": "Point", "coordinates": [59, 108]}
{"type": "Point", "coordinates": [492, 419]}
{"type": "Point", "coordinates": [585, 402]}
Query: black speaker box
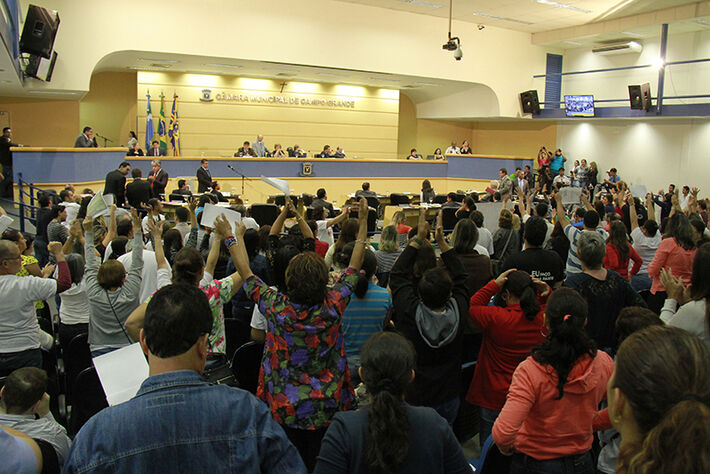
{"type": "Point", "coordinates": [530, 102]}
{"type": "Point", "coordinates": [39, 31]}
{"type": "Point", "coordinates": [640, 96]}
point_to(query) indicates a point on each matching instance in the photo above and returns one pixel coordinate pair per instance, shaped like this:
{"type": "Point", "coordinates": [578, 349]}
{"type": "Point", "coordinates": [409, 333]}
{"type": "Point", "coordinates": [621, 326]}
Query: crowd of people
{"type": "Point", "coordinates": [589, 324]}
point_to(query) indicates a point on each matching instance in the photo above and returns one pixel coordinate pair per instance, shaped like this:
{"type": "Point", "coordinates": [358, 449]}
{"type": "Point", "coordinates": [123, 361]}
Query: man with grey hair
{"type": "Point", "coordinates": [259, 147]}
{"type": "Point", "coordinates": [606, 292]}
{"type": "Point", "coordinates": [158, 178]}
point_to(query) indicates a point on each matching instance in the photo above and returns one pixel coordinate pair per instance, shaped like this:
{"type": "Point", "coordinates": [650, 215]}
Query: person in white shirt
{"type": "Point", "coordinates": [540, 211]}
{"type": "Point", "coordinates": [71, 206]}
{"type": "Point", "coordinates": [154, 208]}
{"type": "Point", "coordinates": [324, 230]}
{"type": "Point", "coordinates": [24, 406]}
{"type": "Point", "coordinates": [75, 309]}
{"type": "Point", "coordinates": [684, 198]}
{"type": "Point", "coordinates": [485, 238]}
{"type": "Point", "coordinates": [20, 335]}
{"type": "Point", "coordinates": [561, 180]}
{"type": "Point", "coordinates": [646, 239]}
{"type": "Point", "coordinates": [453, 149]}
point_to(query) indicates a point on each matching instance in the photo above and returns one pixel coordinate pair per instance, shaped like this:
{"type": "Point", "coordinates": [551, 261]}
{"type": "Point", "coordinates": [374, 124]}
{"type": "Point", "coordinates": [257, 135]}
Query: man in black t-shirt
{"type": "Point", "coordinates": [545, 265]}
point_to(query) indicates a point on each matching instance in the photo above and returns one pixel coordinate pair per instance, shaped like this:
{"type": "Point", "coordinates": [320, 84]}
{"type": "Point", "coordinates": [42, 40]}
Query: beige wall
{"type": "Point", "coordinates": [514, 138]}
{"type": "Point", "coordinates": [218, 128]}
{"type": "Point", "coordinates": [37, 122]}
{"type": "Point", "coordinates": [110, 106]}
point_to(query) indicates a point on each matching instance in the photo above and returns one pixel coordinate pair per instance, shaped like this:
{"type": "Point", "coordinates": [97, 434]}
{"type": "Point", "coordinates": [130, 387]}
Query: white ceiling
{"type": "Point", "coordinates": [529, 16]}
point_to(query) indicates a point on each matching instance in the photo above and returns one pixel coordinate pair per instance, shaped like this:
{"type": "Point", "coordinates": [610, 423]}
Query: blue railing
{"type": "Point", "coordinates": [26, 210]}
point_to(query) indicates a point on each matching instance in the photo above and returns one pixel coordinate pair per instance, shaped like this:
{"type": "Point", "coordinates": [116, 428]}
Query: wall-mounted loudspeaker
{"type": "Point", "coordinates": [640, 96]}
{"type": "Point", "coordinates": [529, 102]}
{"type": "Point", "coordinates": [39, 31]}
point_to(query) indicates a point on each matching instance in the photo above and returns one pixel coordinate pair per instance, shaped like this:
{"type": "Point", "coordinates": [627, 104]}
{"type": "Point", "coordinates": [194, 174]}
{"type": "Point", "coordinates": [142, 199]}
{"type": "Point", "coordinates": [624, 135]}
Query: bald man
{"type": "Point", "coordinates": [259, 147]}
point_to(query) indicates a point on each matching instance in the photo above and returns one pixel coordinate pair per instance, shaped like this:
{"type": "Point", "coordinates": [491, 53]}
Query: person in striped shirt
{"type": "Point", "coordinates": [591, 224]}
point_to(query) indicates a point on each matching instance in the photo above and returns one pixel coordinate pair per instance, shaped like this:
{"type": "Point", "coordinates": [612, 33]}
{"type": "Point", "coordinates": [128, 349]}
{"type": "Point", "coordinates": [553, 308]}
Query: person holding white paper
{"type": "Point", "coordinates": [179, 422]}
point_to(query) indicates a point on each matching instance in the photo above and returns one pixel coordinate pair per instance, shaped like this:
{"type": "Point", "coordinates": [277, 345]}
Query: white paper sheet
{"type": "Point", "coordinates": [5, 222]}
{"type": "Point", "coordinates": [280, 184]}
{"type": "Point", "coordinates": [122, 372]}
{"type": "Point", "coordinates": [210, 213]}
{"type": "Point", "coordinates": [97, 205]}
{"type": "Point", "coordinates": [639, 191]}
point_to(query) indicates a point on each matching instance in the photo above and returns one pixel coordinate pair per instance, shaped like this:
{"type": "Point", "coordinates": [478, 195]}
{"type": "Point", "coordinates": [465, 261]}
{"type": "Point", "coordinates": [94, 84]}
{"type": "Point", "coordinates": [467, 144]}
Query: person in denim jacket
{"type": "Point", "coordinates": [178, 422]}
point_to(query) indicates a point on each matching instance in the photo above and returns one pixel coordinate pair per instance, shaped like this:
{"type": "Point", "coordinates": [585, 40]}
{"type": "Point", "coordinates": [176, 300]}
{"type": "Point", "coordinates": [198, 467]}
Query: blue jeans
{"type": "Point", "coordinates": [575, 464]}
{"type": "Point", "coordinates": [641, 282]}
{"type": "Point", "coordinates": [485, 424]}
{"type": "Point", "coordinates": [448, 410]}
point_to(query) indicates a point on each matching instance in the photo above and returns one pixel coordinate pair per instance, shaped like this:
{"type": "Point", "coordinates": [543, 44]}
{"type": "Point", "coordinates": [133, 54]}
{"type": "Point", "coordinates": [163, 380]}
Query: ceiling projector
{"type": "Point", "coordinates": [451, 45]}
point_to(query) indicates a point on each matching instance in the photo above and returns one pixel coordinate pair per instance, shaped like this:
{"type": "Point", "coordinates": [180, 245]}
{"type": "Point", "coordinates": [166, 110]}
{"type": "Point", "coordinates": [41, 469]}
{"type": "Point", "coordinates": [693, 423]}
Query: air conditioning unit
{"type": "Point", "coordinates": [624, 47]}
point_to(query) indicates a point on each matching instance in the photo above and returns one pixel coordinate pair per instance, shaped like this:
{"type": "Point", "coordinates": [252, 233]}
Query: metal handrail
{"type": "Point", "coordinates": [24, 207]}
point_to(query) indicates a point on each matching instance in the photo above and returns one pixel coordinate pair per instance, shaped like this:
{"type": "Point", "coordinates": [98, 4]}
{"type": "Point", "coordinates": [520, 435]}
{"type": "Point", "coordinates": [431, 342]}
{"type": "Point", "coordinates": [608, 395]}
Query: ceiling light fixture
{"type": "Point", "coordinates": [165, 61]}
{"type": "Point", "coordinates": [422, 3]}
{"type": "Point", "coordinates": [234, 66]}
{"type": "Point", "coordinates": [562, 5]}
{"type": "Point", "coordinates": [503, 18]}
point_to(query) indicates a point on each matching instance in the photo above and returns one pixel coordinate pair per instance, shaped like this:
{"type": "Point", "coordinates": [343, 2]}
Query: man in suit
{"type": "Point", "coordinates": [339, 153]}
{"type": "Point", "coordinates": [327, 152]}
{"type": "Point", "coordinates": [138, 191]}
{"type": "Point", "coordinates": [365, 191]}
{"type": "Point", "coordinates": [204, 177]}
{"type": "Point", "coordinates": [245, 150]}
{"type": "Point", "coordinates": [259, 147]}
{"type": "Point", "coordinates": [322, 201]}
{"type": "Point", "coordinates": [158, 179]}
{"type": "Point", "coordinates": [116, 183]}
{"type": "Point", "coordinates": [298, 152]}
{"type": "Point", "coordinates": [6, 162]}
{"type": "Point", "coordinates": [86, 139]}
{"type": "Point", "coordinates": [520, 184]}
{"type": "Point", "coordinates": [155, 149]}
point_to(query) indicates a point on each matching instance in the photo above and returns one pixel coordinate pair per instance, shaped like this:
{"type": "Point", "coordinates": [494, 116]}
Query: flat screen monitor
{"type": "Point", "coordinates": [579, 105]}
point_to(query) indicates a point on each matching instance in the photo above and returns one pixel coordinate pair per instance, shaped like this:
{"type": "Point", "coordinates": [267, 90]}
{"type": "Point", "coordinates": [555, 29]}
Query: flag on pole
{"type": "Point", "coordinates": [162, 132]}
{"type": "Point", "coordinates": [174, 131]}
{"type": "Point", "coordinates": [149, 132]}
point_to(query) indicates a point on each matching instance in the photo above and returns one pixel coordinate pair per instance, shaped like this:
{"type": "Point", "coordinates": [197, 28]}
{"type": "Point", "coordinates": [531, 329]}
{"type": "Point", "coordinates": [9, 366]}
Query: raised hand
{"type": "Point", "coordinates": [422, 225]}
{"type": "Point", "coordinates": [155, 228]}
{"type": "Point", "coordinates": [503, 277]}
{"type": "Point", "coordinates": [362, 210]}
{"type": "Point", "coordinates": [47, 270]}
{"type": "Point", "coordinates": [88, 224]}
{"type": "Point", "coordinates": [222, 227]}
{"type": "Point", "coordinates": [192, 204]}
{"type": "Point", "coordinates": [55, 248]}
{"type": "Point", "coordinates": [241, 228]}
{"type": "Point", "coordinates": [75, 229]}
{"type": "Point", "coordinates": [674, 286]}
{"type": "Point", "coordinates": [439, 233]}
{"type": "Point", "coordinates": [136, 218]}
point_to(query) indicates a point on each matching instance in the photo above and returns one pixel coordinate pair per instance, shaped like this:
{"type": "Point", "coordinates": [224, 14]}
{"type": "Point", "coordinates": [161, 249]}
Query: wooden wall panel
{"type": "Point", "coordinates": [218, 128]}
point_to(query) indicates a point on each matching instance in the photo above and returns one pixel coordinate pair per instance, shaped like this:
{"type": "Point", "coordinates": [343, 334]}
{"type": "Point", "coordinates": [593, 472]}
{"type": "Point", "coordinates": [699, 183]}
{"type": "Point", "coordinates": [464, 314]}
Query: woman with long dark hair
{"type": "Point", "coordinates": [548, 417]}
{"type": "Point", "coordinates": [675, 253]}
{"type": "Point", "coordinates": [693, 315]}
{"type": "Point", "coordinates": [510, 330]}
{"type": "Point", "coordinates": [389, 435]}
{"type": "Point", "coordinates": [659, 400]}
{"type": "Point", "coordinates": [619, 252]}
{"type": "Point", "coordinates": [348, 233]}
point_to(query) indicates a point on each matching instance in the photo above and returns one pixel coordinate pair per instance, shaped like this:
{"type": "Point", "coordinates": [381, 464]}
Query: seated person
{"type": "Point", "coordinates": [339, 153]}
{"type": "Point", "coordinates": [298, 152]}
{"type": "Point", "coordinates": [413, 155]}
{"type": "Point", "coordinates": [466, 208]}
{"type": "Point", "coordinates": [19, 452]}
{"type": "Point", "coordinates": [389, 435]}
{"type": "Point", "coordinates": [175, 339]}
{"type": "Point", "coordinates": [24, 406]}
{"type": "Point", "coordinates": [451, 201]}
{"type": "Point", "coordinates": [216, 187]}
{"type": "Point", "coordinates": [365, 191]}
{"type": "Point", "coordinates": [321, 200]}
{"type": "Point", "coordinates": [245, 150]}
{"type": "Point", "coordinates": [327, 152]}
{"type": "Point", "coordinates": [279, 152]}
{"type": "Point", "coordinates": [134, 150]}
{"type": "Point", "coordinates": [182, 188]}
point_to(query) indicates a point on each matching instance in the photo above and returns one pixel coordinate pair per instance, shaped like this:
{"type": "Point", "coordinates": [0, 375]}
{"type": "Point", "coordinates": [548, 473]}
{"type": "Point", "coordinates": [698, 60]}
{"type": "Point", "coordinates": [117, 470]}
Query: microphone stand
{"type": "Point", "coordinates": [239, 173]}
{"type": "Point", "coordinates": [104, 139]}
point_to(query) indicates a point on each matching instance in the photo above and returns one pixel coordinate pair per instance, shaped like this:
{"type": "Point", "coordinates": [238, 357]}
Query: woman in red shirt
{"type": "Point", "coordinates": [619, 252]}
{"type": "Point", "coordinates": [509, 333]}
{"type": "Point", "coordinates": [550, 414]}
